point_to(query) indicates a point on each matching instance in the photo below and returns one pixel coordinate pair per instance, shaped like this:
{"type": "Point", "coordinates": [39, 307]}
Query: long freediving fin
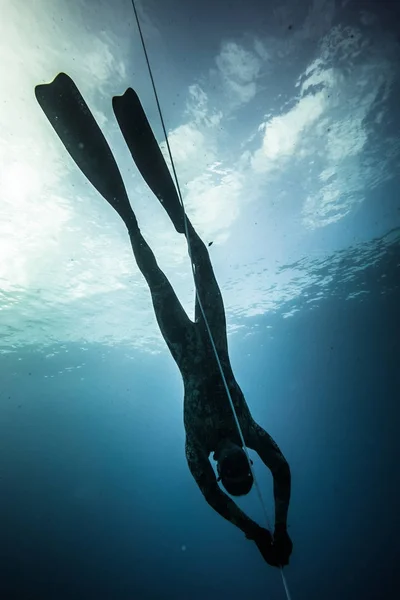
{"type": "Point", "coordinates": [76, 127]}
{"type": "Point", "coordinates": [147, 155]}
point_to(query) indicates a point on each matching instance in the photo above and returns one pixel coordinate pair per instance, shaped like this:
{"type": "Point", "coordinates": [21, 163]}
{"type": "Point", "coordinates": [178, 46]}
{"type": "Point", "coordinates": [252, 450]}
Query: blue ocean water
{"type": "Point", "coordinates": [96, 500]}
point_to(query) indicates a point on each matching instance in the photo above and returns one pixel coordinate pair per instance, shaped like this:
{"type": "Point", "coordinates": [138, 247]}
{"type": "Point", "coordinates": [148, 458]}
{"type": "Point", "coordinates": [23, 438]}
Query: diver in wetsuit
{"type": "Point", "coordinates": [208, 419]}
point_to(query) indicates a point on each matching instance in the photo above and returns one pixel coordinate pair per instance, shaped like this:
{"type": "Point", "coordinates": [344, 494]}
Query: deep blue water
{"type": "Point", "coordinates": [97, 501]}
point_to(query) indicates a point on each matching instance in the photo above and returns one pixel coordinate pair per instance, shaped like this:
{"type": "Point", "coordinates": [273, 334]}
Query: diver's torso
{"type": "Point", "coordinates": [207, 411]}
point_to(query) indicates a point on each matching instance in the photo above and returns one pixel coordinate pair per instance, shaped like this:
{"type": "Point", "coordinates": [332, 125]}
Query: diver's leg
{"type": "Point", "coordinates": [208, 290]}
{"type": "Point", "coordinates": [173, 321]}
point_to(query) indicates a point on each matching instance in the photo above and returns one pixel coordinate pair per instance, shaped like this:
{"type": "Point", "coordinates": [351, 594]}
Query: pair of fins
{"type": "Point", "coordinates": [78, 130]}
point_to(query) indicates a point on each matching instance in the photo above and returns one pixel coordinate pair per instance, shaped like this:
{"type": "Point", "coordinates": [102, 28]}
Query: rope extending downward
{"type": "Point", "coordinates": [197, 294]}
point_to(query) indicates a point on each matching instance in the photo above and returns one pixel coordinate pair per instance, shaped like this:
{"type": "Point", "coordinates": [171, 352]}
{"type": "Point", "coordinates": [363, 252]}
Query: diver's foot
{"type": "Point", "coordinates": [175, 213]}
{"type": "Point", "coordinates": [131, 223]}
{"type": "Point", "coordinates": [179, 219]}
{"type": "Point", "coordinates": [180, 225]}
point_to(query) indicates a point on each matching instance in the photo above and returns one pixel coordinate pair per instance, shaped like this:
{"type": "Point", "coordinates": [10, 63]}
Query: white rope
{"type": "Point", "coordinates": [198, 296]}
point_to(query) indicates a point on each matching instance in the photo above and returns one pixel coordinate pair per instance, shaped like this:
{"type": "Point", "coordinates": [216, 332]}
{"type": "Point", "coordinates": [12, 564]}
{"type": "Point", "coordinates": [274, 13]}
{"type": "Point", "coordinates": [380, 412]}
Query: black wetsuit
{"type": "Point", "coordinates": [208, 415]}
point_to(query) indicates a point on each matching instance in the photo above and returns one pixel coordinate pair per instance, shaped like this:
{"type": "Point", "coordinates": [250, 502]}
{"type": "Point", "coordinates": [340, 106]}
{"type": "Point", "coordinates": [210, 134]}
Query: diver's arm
{"type": "Point", "coordinates": [204, 476]}
{"type": "Point", "coordinates": [225, 506]}
{"type": "Point", "coordinates": [272, 457]}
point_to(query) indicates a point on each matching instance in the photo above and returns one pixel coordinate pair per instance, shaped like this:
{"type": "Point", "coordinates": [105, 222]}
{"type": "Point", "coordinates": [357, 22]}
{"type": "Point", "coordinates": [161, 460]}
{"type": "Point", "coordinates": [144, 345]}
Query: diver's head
{"type": "Point", "coordinates": [233, 469]}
